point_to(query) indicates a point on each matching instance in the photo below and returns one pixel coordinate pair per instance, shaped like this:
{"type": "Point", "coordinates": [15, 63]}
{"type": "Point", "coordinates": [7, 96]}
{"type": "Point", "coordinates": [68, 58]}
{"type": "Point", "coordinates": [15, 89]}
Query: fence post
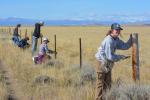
{"type": "Point", "coordinates": [135, 57]}
{"type": "Point", "coordinates": [41, 39]}
{"type": "Point", "coordinates": [9, 30]}
{"type": "Point", "coordinates": [31, 36]}
{"type": "Point", "coordinates": [80, 48]}
{"type": "Point", "coordinates": [13, 29]}
{"type": "Point", "coordinates": [55, 45]}
{"type": "Point", "coordinates": [26, 33]}
{"type": "Point", "coordinates": [20, 33]}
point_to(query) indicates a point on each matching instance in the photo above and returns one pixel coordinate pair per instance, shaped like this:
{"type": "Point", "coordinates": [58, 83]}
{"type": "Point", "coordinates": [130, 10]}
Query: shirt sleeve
{"type": "Point", "coordinates": [46, 48]}
{"type": "Point", "coordinates": [124, 46]}
{"type": "Point", "coordinates": [110, 54]}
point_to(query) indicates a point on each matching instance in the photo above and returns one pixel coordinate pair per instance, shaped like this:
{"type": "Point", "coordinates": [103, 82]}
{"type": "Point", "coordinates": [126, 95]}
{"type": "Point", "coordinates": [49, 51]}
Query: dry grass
{"type": "Point", "coordinates": [122, 91]}
{"type": "Point", "coordinates": [3, 90]}
{"type": "Point", "coordinates": [67, 75]}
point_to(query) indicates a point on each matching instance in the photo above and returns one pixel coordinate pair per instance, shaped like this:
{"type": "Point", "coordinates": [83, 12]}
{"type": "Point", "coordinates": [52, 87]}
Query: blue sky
{"type": "Point", "coordinates": [73, 9]}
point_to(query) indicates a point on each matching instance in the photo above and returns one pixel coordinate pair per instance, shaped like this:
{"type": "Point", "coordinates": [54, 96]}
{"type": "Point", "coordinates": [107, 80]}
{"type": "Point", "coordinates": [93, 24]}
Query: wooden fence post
{"type": "Point", "coordinates": [20, 33]}
{"type": "Point", "coordinates": [31, 37]}
{"type": "Point", "coordinates": [13, 30]}
{"type": "Point", "coordinates": [135, 57]}
{"type": "Point", "coordinates": [55, 45]}
{"type": "Point", "coordinates": [80, 48]}
{"type": "Point", "coordinates": [41, 39]}
{"type": "Point", "coordinates": [9, 30]}
{"type": "Point", "coordinates": [26, 33]}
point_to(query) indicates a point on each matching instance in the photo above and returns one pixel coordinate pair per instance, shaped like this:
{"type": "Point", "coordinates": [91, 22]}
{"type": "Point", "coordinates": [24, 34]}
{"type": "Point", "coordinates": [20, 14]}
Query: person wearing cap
{"type": "Point", "coordinates": [23, 43]}
{"type": "Point", "coordinates": [16, 36]}
{"type": "Point", "coordinates": [37, 34]}
{"type": "Point", "coordinates": [106, 58]}
{"type": "Point", "coordinates": [43, 52]}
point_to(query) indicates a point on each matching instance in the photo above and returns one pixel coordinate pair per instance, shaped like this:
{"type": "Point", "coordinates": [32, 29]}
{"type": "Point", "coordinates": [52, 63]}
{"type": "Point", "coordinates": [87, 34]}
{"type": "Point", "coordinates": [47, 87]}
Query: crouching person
{"type": "Point", "coordinates": [44, 52]}
{"type": "Point", "coordinates": [23, 43]}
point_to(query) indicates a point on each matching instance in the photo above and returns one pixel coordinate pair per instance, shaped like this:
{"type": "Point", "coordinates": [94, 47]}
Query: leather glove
{"type": "Point", "coordinates": [124, 57]}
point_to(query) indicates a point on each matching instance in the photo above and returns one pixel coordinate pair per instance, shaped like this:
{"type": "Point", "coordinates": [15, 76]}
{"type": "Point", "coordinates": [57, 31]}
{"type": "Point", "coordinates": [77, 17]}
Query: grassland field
{"type": "Point", "coordinates": [24, 71]}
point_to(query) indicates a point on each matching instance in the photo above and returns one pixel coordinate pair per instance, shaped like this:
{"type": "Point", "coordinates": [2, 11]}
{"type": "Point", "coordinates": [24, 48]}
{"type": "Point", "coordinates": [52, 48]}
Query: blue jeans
{"type": "Point", "coordinates": [34, 44]}
{"type": "Point", "coordinates": [16, 40]}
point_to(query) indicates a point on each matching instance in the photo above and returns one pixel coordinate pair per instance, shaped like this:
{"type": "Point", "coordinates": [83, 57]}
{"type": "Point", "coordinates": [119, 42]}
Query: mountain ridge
{"type": "Point", "coordinates": [12, 21]}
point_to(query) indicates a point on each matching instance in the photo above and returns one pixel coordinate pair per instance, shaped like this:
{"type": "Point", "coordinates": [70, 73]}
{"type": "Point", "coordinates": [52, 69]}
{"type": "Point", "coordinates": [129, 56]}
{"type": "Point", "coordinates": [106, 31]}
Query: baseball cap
{"type": "Point", "coordinates": [116, 26]}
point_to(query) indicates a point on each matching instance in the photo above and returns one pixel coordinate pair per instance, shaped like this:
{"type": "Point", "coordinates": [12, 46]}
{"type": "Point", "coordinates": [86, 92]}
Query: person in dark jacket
{"type": "Point", "coordinates": [16, 36]}
{"type": "Point", "coordinates": [36, 35]}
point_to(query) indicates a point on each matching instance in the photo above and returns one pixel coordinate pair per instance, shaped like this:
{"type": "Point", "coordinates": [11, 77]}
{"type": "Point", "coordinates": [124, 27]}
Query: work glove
{"type": "Point", "coordinates": [41, 35]}
{"type": "Point", "coordinates": [123, 57]}
{"type": "Point", "coordinates": [55, 52]}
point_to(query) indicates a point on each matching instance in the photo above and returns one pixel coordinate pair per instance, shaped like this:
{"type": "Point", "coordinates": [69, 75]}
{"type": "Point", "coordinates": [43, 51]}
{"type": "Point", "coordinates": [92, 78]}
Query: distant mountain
{"type": "Point", "coordinates": [13, 21]}
{"type": "Point", "coordinates": [67, 22]}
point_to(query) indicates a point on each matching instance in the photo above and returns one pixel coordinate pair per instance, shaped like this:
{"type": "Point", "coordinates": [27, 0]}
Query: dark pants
{"type": "Point", "coordinates": [103, 82]}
